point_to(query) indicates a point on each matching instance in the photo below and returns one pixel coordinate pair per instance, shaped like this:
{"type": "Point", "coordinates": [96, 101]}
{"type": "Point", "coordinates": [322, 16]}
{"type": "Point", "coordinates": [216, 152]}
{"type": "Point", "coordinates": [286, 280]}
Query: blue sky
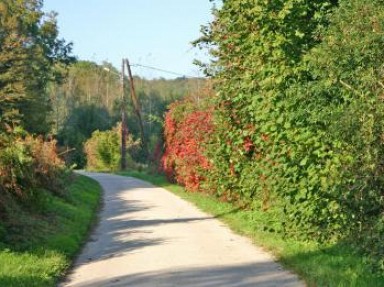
{"type": "Point", "coordinates": [148, 32]}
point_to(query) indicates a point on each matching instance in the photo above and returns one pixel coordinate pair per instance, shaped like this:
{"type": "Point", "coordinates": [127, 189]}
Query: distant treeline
{"type": "Point", "coordinates": [90, 98]}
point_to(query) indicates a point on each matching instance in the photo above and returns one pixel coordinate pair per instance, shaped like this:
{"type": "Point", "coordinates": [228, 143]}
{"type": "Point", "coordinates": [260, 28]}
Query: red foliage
{"type": "Point", "coordinates": [248, 144]}
{"type": "Point", "coordinates": [28, 164]}
{"type": "Point", "coordinates": [184, 133]}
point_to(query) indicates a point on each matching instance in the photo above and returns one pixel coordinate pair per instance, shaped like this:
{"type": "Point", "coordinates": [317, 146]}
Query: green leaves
{"type": "Point", "coordinates": [103, 149]}
{"type": "Point", "coordinates": [29, 49]}
{"type": "Point", "coordinates": [259, 46]}
{"type": "Point", "coordinates": [301, 83]}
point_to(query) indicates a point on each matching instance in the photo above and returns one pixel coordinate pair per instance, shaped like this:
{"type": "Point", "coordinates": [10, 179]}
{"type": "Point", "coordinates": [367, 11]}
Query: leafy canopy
{"type": "Point", "coordinates": [29, 50]}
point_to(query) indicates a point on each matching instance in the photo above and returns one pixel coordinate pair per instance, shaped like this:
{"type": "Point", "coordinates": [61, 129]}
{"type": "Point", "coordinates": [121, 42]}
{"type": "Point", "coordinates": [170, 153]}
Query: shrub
{"type": "Point", "coordinates": [103, 149]}
{"type": "Point", "coordinates": [28, 164]}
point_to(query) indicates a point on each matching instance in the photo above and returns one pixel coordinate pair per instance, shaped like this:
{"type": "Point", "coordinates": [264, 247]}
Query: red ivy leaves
{"type": "Point", "coordinates": [185, 133]}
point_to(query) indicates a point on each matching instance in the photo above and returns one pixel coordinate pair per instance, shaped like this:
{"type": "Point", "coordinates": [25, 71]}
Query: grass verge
{"type": "Point", "coordinates": [331, 265]}
{"type": "Point", "coordinates": [44, 242]}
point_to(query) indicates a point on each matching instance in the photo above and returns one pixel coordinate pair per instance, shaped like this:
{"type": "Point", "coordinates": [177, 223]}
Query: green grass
{"type": "Point", "coordinates": [41, 244]}
{"type": "Point", "coordinates": [319, 265]}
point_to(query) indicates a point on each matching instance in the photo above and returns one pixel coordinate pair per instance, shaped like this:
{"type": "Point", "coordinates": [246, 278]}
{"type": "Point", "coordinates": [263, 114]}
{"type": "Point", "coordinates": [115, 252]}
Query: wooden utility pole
{"type": "Point", "coordinates": [136, 106]}
{"type": "Point", "coordinates": [124, 129]}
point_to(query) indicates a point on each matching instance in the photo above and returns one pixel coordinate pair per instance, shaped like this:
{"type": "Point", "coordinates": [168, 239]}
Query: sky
{"type": "Point", "coordinates": [156, 33]}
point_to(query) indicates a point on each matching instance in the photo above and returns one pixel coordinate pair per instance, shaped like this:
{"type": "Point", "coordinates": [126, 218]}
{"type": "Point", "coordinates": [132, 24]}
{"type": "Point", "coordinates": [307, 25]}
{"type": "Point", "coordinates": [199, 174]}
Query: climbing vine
{"type": "Point", "coordinates": [186, 130]}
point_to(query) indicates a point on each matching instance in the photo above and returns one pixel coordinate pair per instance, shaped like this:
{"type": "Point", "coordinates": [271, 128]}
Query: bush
{"type": "Point", "coordinates": [103, 150]}
{"type": "Point", "coordinates": [28, 164]}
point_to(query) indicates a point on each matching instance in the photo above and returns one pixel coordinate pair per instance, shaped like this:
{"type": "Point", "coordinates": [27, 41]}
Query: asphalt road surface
{"type": "Point", "coordinates": [149, 237]}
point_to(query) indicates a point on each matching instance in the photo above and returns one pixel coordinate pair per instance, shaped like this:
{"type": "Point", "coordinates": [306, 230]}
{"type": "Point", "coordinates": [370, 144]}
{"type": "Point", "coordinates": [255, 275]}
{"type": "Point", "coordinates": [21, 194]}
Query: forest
{"type": "Point", "coordinates": [288, 120]}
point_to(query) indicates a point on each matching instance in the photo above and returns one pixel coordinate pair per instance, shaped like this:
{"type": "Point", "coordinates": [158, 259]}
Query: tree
{"type": "Point", "coordinates": [29, 50]}
{"type": "Point", "coordinates": [30, 53]}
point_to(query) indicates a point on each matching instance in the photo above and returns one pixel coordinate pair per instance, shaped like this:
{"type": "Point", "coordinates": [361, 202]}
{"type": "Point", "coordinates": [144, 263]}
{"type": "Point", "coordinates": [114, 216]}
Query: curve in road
{"type": "Point", "coordinates": [149, 237]}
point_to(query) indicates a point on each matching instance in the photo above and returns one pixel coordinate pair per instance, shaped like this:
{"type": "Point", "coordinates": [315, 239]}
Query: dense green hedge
{"type": "Point", "coordinates": [299, 115]}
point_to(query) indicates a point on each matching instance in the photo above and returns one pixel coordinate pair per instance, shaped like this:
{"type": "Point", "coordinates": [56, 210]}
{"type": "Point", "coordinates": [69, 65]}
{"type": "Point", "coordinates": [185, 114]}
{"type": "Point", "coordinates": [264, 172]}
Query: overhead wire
{"type": "Point", "coordinates": [164, 71]}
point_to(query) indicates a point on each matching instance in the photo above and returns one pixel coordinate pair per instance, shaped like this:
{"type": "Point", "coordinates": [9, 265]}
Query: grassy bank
{"type": "Point", "coordinates": [40, 245]}
{"type": "Point", "coordinates": [319, 265]}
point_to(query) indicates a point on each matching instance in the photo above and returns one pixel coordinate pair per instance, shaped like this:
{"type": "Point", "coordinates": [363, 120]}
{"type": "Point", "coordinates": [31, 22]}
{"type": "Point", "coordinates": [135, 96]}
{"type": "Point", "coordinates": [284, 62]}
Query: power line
{"type": "Point", "coordinates": [164, 71]}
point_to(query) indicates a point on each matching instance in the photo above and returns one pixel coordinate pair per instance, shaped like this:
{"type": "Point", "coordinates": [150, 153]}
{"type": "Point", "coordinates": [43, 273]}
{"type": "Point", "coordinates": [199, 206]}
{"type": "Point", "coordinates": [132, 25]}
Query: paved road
{"type": "Point", "coordinates": [149, 237]}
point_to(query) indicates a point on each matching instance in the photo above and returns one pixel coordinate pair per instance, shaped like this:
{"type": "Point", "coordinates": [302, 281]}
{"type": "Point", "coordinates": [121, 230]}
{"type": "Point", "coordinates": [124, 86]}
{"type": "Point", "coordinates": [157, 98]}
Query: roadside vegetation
{"type": "Point", "coordinates": [295, 129]}
{"type": "Point", "coordinates": [326, 264]}
{"type": "Point", "coordinates": [38, 244]}
{"type": "Point", "coordinates": [45, 210]}
{"type": "Point", "coordinates": [285, 141]}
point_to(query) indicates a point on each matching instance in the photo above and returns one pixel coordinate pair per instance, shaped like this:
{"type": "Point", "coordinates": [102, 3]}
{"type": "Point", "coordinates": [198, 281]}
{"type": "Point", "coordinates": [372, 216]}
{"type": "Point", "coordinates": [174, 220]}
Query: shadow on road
{"type": "Point", "coordinates": [119, 231]}
{"type": "Point", "coordinates": [136, 223]}
{"type": "Point", "coordinates": [259, 274]}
